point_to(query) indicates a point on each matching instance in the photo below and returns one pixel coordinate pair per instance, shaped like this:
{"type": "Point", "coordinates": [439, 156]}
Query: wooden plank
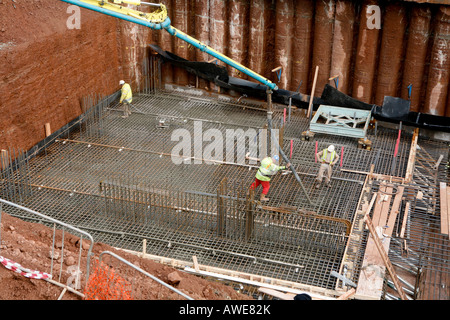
{"type": "Point", "coordinates": [377, 176]}
{"type": "Point", "coordinates": [379, 219]}
{"type": "Point", "coordinates": [195, 261]}
{"type": "Point", "coordinates": [386, 204]}
{"type": "Point", "coordinates": [379, 209]}
{"type": "Point", "coordinates": [48, 130]}
{"type": "Point", "coordinates": [290, 296]}
{"type": "Point", "coordinates": [276, 69]}
{"type": "Point", "coordinates": [4, 159]}
{"type": "Point", "coordinates": [389, 222]}
{"type": "Point", "coordinates": [277, 294]}
{"type": "Point", "coordinates": [144, 247]}
{"type": "Point", "coordinates": [448, 211]}
{"type": "Point", "coordinates": [370, 284]}
{"type": "Point", "coordinates": [412, 157]}
{"type": "Point", "coordinates": [405, 219]}
{"type": "Point", "coordinates": [438, 162]}
{"type": "Point", "coordinates": [311, 97]}
{"type": "Point", "coordinates": [347, 295]}
{"type": "Point", "coordinates": [394, 211]}
{"type": "Point", "coordinates": [385, 258]}
{"type": "Point", "coordinates": [444, 208]}
{"type": "Point", "coordinates": [378, 206]}
{"type": "Point", "coordinates": [378, 212]}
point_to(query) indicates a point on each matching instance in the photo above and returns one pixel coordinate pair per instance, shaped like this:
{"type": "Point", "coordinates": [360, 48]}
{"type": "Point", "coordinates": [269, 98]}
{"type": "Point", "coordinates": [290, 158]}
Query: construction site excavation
{"type": "Point", "coordinates": [170, 180]}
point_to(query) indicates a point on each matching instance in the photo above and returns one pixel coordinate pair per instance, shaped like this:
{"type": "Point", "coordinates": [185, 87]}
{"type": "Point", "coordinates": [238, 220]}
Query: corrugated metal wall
{"type": "Point", "coordinates": [408, 44]}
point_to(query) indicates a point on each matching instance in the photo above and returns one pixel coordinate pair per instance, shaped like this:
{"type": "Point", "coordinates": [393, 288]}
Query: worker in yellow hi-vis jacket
{"type": "Point", "coordinates": [327, 158]}
{"type": "Point", "coordinates": [126, 98]}
{"type": "Point", "coordinates": [265, 173]}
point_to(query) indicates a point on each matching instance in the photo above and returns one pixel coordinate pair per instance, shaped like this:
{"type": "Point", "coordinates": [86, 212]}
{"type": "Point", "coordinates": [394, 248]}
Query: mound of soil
{"type": "Point", "coordinates": [30, 246]}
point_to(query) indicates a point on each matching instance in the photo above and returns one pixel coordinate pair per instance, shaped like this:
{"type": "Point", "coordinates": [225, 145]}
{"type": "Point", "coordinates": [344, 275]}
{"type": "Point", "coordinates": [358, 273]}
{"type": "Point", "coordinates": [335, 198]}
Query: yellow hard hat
{"type": "Point", "coordinates": [266, 162]}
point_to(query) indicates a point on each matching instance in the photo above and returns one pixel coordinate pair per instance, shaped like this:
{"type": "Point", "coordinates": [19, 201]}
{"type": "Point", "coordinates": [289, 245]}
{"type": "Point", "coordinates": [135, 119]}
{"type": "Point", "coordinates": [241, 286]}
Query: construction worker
{"type": "Point", "coordinates": [126, 98]}
{"type": "Point", "coordinates": [328, 158]}
{"type": "Point", "coordinates": [265, 172]}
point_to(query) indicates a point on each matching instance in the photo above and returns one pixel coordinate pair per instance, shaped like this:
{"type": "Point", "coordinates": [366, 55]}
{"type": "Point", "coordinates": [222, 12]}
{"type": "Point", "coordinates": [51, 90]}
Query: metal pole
{"type": "Point", "coordinates": [144, 272]}
{"type": "Point", "coordinates": [274, 140]}
{"type": "Point", "coordinates": [290, 107]}
{"type": "Point", "coordinates": [61, 223]}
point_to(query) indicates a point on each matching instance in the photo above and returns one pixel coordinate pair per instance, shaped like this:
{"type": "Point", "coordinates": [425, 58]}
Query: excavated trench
{"type": "Point", "coordinates": [372, 55]}
{"type": "Point", "coordinates": [114, 178]}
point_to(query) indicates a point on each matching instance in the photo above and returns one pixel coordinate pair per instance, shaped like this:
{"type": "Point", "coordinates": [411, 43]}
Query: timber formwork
{"type": "Point", "coordinates": [118, 179]}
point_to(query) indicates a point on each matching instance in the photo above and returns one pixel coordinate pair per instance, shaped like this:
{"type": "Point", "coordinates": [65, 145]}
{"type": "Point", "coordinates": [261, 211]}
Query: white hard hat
{"type": "Point", "coordinates": [121, 82]}
{"type": "Point", "coordinates": [331, 148]}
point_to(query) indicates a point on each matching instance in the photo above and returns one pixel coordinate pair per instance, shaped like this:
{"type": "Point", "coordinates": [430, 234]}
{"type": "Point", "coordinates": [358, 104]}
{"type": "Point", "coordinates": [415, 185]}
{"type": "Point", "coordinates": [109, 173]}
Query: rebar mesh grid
{"type": "Point", "coordinates": [133, 155]}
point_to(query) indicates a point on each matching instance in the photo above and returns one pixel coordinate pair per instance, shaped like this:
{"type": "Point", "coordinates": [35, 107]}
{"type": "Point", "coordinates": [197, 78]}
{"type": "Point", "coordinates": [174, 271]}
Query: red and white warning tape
{"type": "Point", "coordinates": [9, 264]}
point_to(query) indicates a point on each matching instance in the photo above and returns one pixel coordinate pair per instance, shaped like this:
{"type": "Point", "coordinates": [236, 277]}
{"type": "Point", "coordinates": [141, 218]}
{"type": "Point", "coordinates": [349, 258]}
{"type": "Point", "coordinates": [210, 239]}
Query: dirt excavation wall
{"type": "Point", "coordinates": [46, 68]}
{"type": "Point", "coordinates": [375, 47]}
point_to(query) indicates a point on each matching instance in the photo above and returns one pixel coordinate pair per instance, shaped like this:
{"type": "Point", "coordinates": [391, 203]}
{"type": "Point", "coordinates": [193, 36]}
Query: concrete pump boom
{"type": "Point", "coordinates": [159, 20]}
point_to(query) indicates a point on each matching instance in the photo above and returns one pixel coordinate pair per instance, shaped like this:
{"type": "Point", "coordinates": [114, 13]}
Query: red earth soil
{"type": "Point", "coordinates": [29, 244]}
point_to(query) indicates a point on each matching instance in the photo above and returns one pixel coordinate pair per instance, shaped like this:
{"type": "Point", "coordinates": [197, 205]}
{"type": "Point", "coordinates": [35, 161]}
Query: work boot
{"type": "Point", "coordinates": [329, 184]}
{"type": "Point", "coordinates": [263, 198]}
{"type": "Point", "coordinates": [318, 185]}
{"type": "Point", "coordinates": [125, 115]}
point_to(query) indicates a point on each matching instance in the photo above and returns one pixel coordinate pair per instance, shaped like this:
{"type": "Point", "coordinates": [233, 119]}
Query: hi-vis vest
{"type": "Point", "coordinates": [325, 153]}
{"type": "Point", "coordinates": [126, 93]}
{"type": "Point", "coordinates": [266, 171]}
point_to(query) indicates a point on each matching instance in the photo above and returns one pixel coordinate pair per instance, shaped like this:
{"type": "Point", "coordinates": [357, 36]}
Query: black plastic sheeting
{"type": "Point", "coordinates": [394, 110]}
{"type": "Point", "coordinates": [205, 70]}
{"type": "Point", "coordinates": [334, 97]}
{"type": "Point", "coordinates": [219, 76]}
{"type": "Point", "coordinates": [394, 107]}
